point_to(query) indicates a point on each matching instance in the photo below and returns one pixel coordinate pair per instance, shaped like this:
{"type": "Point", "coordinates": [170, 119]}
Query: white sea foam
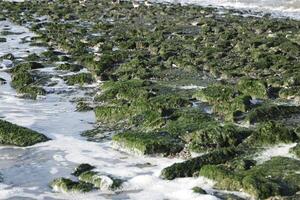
{"type": "Point", "coordinates": [278, 150]}
{"type": "Point", "coordinates": [285, 8]}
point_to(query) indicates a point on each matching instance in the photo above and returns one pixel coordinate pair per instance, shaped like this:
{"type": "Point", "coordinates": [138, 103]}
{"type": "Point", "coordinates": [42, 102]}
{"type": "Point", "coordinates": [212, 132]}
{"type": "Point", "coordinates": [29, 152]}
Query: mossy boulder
{"type": "Point", "coordinates": [68, 185]}
{"type": "Point", "coordinates": [149, 143]}
{"type": "Point", "coordinates": [187, 121]}
{"type": "Point", "coordinates": [80, 79]}
{"type": "Point", "coordinates": [272, 132]}
{"type": "Point", "coordinates": [226, 100]}
{"type": "Point", "coordinates": [268, 112]}
{"type": "Point", "coordinates": [190, 167]}
{"type": "Point", "coordinates": [216, 93]}
{"type": "Point", "coordinates": [253, 87]}
{"type": "Point", "coordinates": [276, 177]}
{"type": "Point", "coordinates": [100, 181]}
{"type": "Point", "coordinates": [215, 136]}
{"type": "Point", "coordinates": [11, 134]}
{"type": "Point", "coordinates": [25, 66]}
{"type": "Point", "coordinates": [21, 79]}
{"type": "Point", "coordinates": [31, 92]}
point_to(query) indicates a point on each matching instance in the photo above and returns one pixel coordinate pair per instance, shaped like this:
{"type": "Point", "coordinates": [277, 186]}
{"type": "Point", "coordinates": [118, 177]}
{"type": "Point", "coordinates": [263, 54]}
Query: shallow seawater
{"type": "Point", "coordinates": [28, 171]}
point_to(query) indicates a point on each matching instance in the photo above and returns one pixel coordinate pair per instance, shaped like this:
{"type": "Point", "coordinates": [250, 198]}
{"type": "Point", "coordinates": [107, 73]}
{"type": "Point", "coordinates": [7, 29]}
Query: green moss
{"type": "Point", "coordinates": [67, 185]}
{"type": "Point", "coordinates": [25, 66]}
{"type": "Point", "coordinates": [253, 87]}
{"type": "Point", "coordinates": [271, 112]}
{"type": "Point", "coordinates": [191, 166]}
{"type": "Point", "coordinates": [70, 67]}
{"type": "Point", "coordinates": [277, 176]}
{"type": "Point", "coordinates": [81, 79]}
{"type": "Point", "coordinates": [273, 133]}
{"type": "Point", "coordinates": [21, 79]}
{"type": "Point", "coordinates": [112, 113]}
{"type": "Point", "coordinates": [11, 134]}
{"type": "Point", "coordinates": [216, 94]}
{"type": "Point", "coordinates": [226, 100]}
{"type": "Point", "coordinates": [187, 121]}
{"type": "Point", "coordinates": [31, 91]}
{"type": "Point", "coordinates": [232, 110]}
{"type": "Point", "coordinates": [103, 182]}
{"type": "Point", "coordinates": [149, 143]}
{"type": "Point", "coordinates": [124, 90]}
{"type": "Point", "coordinates": [215, 136]}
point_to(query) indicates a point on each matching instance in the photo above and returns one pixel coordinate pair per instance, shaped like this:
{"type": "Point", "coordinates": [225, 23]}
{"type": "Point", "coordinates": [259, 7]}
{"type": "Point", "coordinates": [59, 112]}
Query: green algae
{"type": "Point", "coordinates": [80, 79]}
{"type": "Point", "coordinates": [268, 112]}
{"type": "Point", "coordinates": [70, 67]}
{"type": "Point", "coordinates": [11, 134]}
{"type": "Point", "coordinates": [68, 185]}
{"type": "Point", "coordinates": [102, 182]}
{"type": "Point", "coordinates": [276, 177]}
{"type": "Point", "coordinates": [190, 167]}
{"type": "Point", "coordinates": [149, 143]}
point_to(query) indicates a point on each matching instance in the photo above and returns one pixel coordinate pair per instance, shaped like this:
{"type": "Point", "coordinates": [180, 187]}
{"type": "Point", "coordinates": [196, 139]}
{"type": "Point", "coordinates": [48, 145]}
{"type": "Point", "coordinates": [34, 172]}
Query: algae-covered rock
{"type": "Point", "coordinates": [226, 100]}
{"type": "Point", "coordinates": [11, 134]}
{"type": "Point", "coordinates": [216, 94]}
{"type": "Point", "coordinates": [276, 177]}
{"type": "Point", "coordinates": [214, 136]}
{"type": "Point", "coordinates": [271, 112]}
{"type": "Point", "coordinates": [21, 79]}
{"type": "Point", "coordinates": [81, 79]}
{"type": "Point", "coordinates": [253, 87]}
{"type": "Point", "coordinates": [103, 182]}
{"type": "Point", "coordinates": [70, 67]}
{"type": "Point", "coordinates": [82, 168]}
{"type": "Point", "coordinates": [149, 143]}
{"type": "Point", "coordinates": [25, 66]}
{"type": "Point", "coordinates": [31, 91]}
{"type": "Point", "coordinates": [68, 185]}
{"type": "Point", "coordinates": [191, 166]}
{"type": "Point", "coordinates": [273, 133]}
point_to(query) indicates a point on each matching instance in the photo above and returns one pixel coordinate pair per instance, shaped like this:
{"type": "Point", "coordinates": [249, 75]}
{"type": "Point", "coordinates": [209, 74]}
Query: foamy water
{"type": "Point", "coordinates": [285, 8]}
